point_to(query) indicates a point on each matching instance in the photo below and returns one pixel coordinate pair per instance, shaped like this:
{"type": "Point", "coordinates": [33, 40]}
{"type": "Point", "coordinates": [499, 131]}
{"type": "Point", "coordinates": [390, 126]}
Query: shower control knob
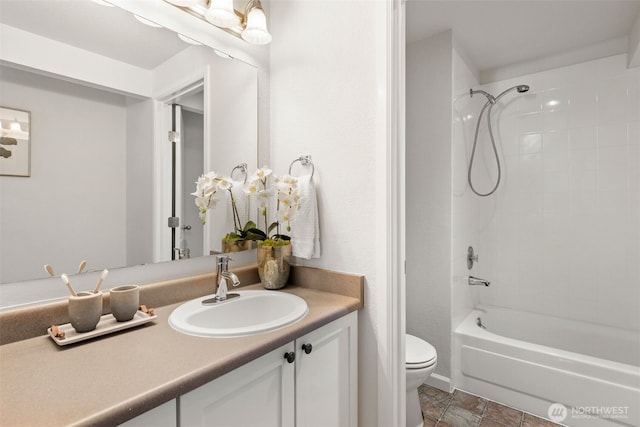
{"type": "Point", "coordinates": [307, 348]}
{"type": "Point", "coordinates": [471, 258]}
{"type": "Point", "coordinates": [290, 356]}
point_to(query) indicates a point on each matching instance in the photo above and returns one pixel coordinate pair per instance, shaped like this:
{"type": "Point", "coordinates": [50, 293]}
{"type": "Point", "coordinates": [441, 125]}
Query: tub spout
{"type": "Point", "coordinates": [478, 281]}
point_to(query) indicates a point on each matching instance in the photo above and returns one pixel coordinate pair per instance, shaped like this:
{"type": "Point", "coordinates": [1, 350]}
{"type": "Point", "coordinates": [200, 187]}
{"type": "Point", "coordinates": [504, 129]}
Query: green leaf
{"type": "Point", "coordinates": [281, 237]}
{"type": "Point", "coordinates": [272, 226]}
{"type": "Point", "coordinates": [255, 234]}
{"type": "Point", "coordinates": [249, 225]}
{"type": "Point", "coordinates": [233, 237]}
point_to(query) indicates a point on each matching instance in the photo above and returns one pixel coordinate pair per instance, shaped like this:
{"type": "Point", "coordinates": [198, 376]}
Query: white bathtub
{"type": "Point", "coordinates": [531, 361]}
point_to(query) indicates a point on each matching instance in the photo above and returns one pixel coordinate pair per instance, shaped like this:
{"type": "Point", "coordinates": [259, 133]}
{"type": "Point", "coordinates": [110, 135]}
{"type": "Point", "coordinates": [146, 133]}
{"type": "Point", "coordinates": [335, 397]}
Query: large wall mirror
{"type": "Point", "coordinates": [102, 90]}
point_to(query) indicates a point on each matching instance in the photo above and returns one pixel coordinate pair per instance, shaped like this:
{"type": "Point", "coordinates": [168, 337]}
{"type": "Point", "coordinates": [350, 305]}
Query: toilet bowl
{"type": "Point", "coordinates": [421, 360]}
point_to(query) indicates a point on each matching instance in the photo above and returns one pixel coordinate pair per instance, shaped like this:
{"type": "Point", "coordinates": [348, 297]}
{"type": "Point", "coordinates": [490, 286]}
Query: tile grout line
{"type": "Point", "coordinates": [450, 400]}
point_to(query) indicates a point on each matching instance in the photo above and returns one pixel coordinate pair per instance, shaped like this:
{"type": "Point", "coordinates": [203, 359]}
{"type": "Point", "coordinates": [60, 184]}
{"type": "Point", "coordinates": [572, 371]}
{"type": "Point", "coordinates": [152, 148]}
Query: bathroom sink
{"type": "Point", "coordinates": [251, 313]}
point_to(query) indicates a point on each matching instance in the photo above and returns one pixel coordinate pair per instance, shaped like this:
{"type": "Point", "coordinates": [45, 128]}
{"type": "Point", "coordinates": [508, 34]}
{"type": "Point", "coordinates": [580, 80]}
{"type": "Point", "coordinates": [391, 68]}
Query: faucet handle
{"type": "Point", "coordinates": [223, 260]}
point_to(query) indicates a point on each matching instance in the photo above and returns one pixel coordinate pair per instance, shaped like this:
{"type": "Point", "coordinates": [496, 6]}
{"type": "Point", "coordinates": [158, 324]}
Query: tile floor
{"type": "Point", "coordinates": [460, 409]}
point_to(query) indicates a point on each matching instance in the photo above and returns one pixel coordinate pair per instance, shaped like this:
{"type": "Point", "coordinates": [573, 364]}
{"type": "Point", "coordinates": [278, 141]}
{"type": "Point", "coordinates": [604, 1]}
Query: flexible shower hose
{"type": "Point", "coordinates": [495, 151]}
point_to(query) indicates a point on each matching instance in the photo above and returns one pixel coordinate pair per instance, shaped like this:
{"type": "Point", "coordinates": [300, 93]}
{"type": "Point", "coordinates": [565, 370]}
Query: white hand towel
{"type": "Point", "coordinates": [305, 229]}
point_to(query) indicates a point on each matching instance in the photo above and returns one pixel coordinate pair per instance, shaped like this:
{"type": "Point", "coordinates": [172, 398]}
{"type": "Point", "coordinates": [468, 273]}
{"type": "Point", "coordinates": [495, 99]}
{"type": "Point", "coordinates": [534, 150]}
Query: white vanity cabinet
{"type": "Point", "coordinates": [327, 375]}
{"type": "Point", "coordinates": [317, 387]}
{"type": "Point", "coordinates": [164, 415]}
{"type": "Point", "coordinates": [260, 393]}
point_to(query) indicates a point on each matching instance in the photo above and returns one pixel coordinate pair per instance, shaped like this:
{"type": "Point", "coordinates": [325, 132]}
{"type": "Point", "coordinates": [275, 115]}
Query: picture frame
{"type": "Point", "coordinates": [15, 142]}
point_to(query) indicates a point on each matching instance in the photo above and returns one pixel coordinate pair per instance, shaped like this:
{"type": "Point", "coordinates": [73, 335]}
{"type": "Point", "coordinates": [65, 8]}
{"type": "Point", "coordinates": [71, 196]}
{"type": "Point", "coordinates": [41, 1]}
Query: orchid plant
{"type": "Point", "coordinates": [284, 191]}
{"type": "Point", "coordinates": [264, 187]}
{"type": "Point", "coordinates": [207, 197]}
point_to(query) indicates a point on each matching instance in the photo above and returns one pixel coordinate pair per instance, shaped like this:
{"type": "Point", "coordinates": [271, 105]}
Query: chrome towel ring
{"type": "Point", "coordinates": [242, 167]}
{"type": "Point", "coordinates": [304, 161]}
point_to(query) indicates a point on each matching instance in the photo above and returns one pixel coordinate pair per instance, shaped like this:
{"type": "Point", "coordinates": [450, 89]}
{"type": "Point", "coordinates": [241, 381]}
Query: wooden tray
{"type": "Point", "coordinates": [107, 324]}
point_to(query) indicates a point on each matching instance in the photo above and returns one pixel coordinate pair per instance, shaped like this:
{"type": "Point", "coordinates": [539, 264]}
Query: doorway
{"type": "Point", "coordinates": [187, 164]}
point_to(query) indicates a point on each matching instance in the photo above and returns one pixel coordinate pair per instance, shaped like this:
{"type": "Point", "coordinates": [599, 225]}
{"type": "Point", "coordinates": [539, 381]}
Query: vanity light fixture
{"type": "Point", "coordinates": [251, 25]}
{"type": "Point", "coordinates": [255, 28]}
{"type": "Point", "coordinates": [222, 14]}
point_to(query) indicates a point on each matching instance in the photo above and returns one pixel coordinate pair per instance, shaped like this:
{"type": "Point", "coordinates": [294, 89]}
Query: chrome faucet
{"type": "Point", "coordinates": [183, 253]}
{"type": "Point", "coordinates": [224, 275]}
{"type": "Point", "coordinates": [478, 281]}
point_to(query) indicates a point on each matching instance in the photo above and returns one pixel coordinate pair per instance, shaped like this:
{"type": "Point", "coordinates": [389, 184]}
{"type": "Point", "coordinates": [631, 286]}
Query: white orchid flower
{"type": "Point", "coordinates": [263, 172]}
{"type": "Point", "coordinates": [260, 174]}
{"type": "Point", "coordinates": [251, 188]}
{"type": "Point", "coordinates": [206, 190]}
{"type": "Point", "coordinates": [224, 182]}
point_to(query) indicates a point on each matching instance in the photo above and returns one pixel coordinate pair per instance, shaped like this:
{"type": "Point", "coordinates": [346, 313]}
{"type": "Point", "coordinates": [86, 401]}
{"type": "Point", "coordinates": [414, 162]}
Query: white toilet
{"type": "Point", "coordinates": [421, 361]}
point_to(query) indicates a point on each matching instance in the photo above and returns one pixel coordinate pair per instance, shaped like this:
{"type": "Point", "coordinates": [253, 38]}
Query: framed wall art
{"type": "Point", "coordinates": [15, 142]}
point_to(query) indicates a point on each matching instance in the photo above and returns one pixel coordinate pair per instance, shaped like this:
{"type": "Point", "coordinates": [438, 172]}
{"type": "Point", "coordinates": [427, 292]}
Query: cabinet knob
{"type": "Point", "coordinates": [307, 348]}
{"type": "Point", "coordinates": [290, 356]}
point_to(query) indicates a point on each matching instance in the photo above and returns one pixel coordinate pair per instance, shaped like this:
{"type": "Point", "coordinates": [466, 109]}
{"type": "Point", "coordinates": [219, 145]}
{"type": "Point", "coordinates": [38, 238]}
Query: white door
{"type": "Point", "coordinates": [192, 153]}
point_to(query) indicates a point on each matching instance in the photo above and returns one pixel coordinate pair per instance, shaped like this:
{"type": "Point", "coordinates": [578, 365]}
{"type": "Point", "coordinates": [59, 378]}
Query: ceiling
{"type": "Point", "coordinates": [85, 24]}
{"type": "Point", "coordinates": [493, 34]}
{"type": "Point", "coordinates": [502, 33]}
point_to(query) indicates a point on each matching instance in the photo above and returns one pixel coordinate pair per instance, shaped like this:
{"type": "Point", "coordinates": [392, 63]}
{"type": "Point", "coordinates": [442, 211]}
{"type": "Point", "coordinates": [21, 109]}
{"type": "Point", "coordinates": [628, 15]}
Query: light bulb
{"type": "Point", "coordinates": [256, 30]}
{"type": "Point", "coordinates": [222, 14]}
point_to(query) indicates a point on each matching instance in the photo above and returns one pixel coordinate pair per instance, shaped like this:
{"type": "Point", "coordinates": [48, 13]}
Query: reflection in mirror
{"type": "Point", "coordinates": [99, 86]}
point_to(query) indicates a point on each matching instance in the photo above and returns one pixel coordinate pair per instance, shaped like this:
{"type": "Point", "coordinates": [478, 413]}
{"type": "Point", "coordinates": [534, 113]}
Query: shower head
{"type": "Point", "coordinates": [519, 88]}
{"type": "Point", "coordinates": [488, 106]}
{"type": "Point", "coordinates": [492, 100]}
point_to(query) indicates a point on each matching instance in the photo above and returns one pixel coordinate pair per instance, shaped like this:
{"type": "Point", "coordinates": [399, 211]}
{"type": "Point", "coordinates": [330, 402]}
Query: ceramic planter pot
{"type": "Point", "coordinates": [238, 246]}
{"type": "Point", "coordinates": [274, 265]}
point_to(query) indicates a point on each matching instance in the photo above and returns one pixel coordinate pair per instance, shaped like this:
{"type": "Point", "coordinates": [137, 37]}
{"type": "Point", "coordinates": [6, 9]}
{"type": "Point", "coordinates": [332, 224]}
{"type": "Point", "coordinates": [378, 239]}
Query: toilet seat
{"type": "Point", "coordinates": [419, 353]}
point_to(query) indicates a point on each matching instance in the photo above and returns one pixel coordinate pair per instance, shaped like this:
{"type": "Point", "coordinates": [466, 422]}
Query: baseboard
{"type": "Point", "coordinates": [439, 382]}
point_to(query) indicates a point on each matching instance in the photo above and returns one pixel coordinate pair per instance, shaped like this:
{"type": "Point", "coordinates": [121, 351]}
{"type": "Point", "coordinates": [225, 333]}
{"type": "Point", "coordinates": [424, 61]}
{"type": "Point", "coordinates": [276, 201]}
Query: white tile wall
{"type": "Point", "coordinates": [463, 232]}
{"type": "Point", "coordinates": [562, 234]}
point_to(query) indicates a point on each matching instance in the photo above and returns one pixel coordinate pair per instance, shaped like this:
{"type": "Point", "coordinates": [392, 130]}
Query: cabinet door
{"type": "Point", "coordinates": [260, 393]}
{"type": "Point", "coordinates": [162, 416]}
{"type": "Point", "coordinates": [327, 376]}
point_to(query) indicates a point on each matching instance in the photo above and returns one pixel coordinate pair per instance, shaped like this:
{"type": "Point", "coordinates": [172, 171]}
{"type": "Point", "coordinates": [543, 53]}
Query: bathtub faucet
{"type": "Point", "coordinates": [478, 281]}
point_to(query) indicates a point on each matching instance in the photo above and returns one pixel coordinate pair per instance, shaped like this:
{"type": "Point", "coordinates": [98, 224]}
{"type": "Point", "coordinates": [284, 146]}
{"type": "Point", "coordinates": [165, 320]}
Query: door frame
{"type": "Point", "coordinates": [162, 157]}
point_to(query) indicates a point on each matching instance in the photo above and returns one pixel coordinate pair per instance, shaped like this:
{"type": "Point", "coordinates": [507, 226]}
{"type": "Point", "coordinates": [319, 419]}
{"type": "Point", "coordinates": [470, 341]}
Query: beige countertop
{"type": "Point", "coordinates": [110, 379]}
